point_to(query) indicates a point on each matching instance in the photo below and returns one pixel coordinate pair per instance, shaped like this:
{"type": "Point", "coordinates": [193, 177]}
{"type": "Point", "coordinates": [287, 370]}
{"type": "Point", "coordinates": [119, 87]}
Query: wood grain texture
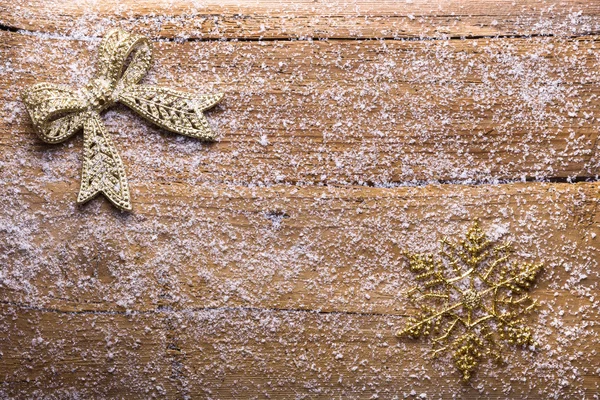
{"type": "Point", "coordinates": [274, 19]}
{"type": "Point", "coordinates": [232, 354]}
{"type": "Point", "coordinates": [269, 264]}
{"type": "Point", "coordinates": [337, 112]}
{"type": "Point", "coordinates": [264, 287]}
{"type": "Point", "coordinates": [314, 246]}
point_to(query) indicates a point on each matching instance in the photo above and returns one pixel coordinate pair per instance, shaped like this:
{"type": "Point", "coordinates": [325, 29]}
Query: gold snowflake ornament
{"type": "Point", "coordinates": [59, 112]}
{"type": "Point", "coordinates": [471, 300]}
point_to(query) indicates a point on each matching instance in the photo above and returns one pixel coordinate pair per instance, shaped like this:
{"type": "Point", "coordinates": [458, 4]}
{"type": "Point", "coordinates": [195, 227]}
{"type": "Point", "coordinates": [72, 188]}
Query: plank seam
{"type": "Point", "coordinates": [48, 35]}
{"type": "Point", "coordinates": [167, 310]}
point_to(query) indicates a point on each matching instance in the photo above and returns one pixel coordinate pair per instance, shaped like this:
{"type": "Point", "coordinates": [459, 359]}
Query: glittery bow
{"type": "Point", "coordinates": [58, 112]}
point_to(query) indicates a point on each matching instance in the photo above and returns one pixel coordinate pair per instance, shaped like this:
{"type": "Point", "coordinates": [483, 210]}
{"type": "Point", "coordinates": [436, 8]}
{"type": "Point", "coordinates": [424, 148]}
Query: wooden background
{"type": "Point", "coordinates": [268, 264]}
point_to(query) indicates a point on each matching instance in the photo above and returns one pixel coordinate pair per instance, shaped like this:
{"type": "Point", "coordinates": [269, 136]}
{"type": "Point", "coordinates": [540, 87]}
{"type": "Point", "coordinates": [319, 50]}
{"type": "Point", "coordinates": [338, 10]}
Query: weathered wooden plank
{"type": "Point", "coordinates": [232, 354]}
{"type": "Point", "coordinates": [330, 249]}
{"type": "Point", "coordinates": [68, 355]}
{"type": "Point", "coordinates": [272, 19]}
{"type": "Point", "coordinates": [340, 112]}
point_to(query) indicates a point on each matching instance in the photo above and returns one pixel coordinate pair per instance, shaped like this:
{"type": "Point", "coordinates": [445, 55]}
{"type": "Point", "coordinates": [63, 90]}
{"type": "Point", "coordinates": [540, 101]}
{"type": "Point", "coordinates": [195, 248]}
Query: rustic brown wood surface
{"type": "Point", "coordinates": [270, 264]}
{"type": "Point", "coordinates": [381, 114]}
{"type": "Point", "coordinates": [273, 19]}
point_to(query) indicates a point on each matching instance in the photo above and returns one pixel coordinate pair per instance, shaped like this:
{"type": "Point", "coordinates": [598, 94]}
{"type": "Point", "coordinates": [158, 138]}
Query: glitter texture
{"type": "Point", "coordinates": [471, 299]}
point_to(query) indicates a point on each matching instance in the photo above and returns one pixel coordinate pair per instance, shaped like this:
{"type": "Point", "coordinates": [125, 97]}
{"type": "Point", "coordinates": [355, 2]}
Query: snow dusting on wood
{"type": "Point", "coordinates": [269, 264]}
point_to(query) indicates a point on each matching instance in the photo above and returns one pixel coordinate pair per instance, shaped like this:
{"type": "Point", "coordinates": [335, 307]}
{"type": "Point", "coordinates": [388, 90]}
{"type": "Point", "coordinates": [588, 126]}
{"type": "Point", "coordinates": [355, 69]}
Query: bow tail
{"type": "Point", "coordinates": [103, 170]}
{"type": "Point", "coordinates": [173, 110]}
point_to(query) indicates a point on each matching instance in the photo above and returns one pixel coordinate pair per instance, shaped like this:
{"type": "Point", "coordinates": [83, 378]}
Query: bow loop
{"type": "Point", "coordinates": [123, 58]}
{"type": "Point", "coordinates": [173, 110]}
{"type": "Point", "coordinates": [57, 112]}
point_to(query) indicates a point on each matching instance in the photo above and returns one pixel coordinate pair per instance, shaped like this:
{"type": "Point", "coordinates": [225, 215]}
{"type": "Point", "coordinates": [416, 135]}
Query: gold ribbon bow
{"type": "Point", "coordinates": [59, 112]}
